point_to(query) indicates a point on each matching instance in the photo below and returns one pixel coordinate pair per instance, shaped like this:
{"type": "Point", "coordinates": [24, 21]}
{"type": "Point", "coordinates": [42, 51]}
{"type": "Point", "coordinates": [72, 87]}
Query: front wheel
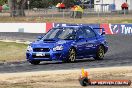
{"type": "Point", "coordinates": [100, 53]}
{"type": "Point", "coordinates": [71, 56]}
{"type": "Point", "coordinates": [34, 62]}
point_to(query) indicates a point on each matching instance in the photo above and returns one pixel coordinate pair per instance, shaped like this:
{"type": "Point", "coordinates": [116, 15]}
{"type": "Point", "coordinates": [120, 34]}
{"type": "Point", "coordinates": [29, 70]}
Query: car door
{"type": "Point", "coordinates": [91, 41]}
{"type": "Point", "coordinates": [81, 43]}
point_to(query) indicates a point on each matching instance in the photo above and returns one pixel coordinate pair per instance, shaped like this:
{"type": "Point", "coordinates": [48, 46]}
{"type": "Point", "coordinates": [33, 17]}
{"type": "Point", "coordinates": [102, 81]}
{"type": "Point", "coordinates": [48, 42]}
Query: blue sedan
{"type": "Point", "coordinates": [68, 43]}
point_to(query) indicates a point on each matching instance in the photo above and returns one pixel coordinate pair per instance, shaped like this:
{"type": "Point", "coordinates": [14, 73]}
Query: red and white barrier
{"type": "Point", "coordinates": [23, 27]}
{"type": "Point", "coordinates": [45, 27]}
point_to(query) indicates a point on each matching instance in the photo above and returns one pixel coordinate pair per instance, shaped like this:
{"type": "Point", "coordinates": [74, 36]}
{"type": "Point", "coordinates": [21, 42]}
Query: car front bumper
{"type": "Point", "coordinates": [46, 56]}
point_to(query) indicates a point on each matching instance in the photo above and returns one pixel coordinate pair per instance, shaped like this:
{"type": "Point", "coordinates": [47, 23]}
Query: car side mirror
{"type": "Point", "coordinates": [39, 37]}
{"type": "Point", "coordinates": [103, 33]}
{"type": "Point", "coordinates": [81, 37]}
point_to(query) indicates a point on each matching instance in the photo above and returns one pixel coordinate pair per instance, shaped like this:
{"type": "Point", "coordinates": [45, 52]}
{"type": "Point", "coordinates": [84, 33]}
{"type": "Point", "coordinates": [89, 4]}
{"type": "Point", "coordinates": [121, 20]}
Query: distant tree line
{"type": "Point", "coordinates": [3, 2]}
{"type": "Point", "coordinates": [17, 7]}
{"type": "Point", "coordinates": [44, 3]}
{"type": "Point", "coordinates": [47, 3]}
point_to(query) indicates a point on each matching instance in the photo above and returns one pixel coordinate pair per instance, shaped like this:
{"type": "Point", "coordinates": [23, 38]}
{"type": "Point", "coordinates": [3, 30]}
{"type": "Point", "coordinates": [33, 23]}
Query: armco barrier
{"type": "Point", "coordinates": [45, 27]}
{"type": "Point", "coordinates": [23, 27]}
{"type": "Point", "coordinates": [109, 28]}
{"type": "Point", "coordinates": [49, 26]}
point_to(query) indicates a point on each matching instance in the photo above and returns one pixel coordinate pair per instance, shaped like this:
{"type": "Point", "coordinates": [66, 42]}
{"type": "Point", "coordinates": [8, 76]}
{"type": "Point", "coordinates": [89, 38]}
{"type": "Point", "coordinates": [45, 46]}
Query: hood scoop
{"type": "Point", "coordinates": [49, 40]}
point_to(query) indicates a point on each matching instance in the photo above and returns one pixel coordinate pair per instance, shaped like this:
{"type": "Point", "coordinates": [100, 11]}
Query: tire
{"type": "Point", "coordinates": [100, 53]}
{"type": "Point", "coordinates": [71, 56]}
{"type": "Point", "coordinates": [34, 62]}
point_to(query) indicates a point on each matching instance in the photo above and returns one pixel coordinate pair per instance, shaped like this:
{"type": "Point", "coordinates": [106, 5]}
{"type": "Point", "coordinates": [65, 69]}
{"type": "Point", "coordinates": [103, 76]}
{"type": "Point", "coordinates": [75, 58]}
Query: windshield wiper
{"type": "Point", "coordinates": [69, 39]}
{"type": "Point", "coordinates": [48, 40]}
{"type": "Point", "coordinates": [52, 39]}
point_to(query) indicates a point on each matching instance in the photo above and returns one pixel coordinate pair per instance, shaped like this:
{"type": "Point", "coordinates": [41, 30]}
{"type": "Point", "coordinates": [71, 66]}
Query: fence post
{"type": "Point", "coordinates": [52, 15]}
{"type": "Point", "coordinates": [98, 13]}
{"type": "Point", "coordinates": [124, 11]}
{"type": "Point", "coordinates": [63, 13]}
{"type": "Point", "coordinates": [28, 2]}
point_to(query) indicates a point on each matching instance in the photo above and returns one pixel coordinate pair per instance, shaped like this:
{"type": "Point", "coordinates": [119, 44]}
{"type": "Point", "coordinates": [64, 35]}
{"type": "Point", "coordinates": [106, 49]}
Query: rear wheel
{"type": "Point", "coordinates": [100, 53]}
{"type": "Point", "coordinates": [34, 62]}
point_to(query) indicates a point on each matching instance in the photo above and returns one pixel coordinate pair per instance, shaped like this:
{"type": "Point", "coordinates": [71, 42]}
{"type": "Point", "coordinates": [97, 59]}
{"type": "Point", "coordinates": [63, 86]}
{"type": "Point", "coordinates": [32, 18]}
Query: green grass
{"type": "Point", "coordinates": [122, 19]}
{"type": "Point", "coordinates": [10, 51]}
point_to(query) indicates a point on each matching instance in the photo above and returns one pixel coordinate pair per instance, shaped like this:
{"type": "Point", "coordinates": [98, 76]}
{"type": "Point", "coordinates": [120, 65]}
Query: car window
{"type": "Point", "coordinates": [88, 33]}
{"type": "Point", "coordinates": [61, 33]}
{"type": "Point", "coordinates": [80, 32]}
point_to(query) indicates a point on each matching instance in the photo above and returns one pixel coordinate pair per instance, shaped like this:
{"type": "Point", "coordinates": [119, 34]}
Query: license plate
{"type": "Point", "coordinates": [40, 54]}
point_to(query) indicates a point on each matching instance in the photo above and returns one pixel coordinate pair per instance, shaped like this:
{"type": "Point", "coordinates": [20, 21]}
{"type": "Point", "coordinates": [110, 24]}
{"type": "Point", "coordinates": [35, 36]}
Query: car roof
{"type": "Point", "coordinates": [72, 26]}
{"type": "Point", "coordinates": [77, 26]}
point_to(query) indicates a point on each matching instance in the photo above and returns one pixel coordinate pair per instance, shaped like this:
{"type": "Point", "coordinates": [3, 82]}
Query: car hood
{"type": "Point", "coordinates": [49, 43]}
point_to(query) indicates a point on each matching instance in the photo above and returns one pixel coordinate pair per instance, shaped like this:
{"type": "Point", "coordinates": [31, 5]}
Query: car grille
{"type": "Point", "coordinates": [41, 49]}
{"type": "Point", "coordinates": [46, 56]}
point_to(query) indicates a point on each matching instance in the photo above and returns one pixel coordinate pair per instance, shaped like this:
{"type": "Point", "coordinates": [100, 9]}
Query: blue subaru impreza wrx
{"type": "Point", "coordinates": [68, 43]}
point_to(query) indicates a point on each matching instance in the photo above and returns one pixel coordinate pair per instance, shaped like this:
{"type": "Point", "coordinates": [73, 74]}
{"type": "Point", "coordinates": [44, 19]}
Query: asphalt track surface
{"type": "Point", "coordinates": [119, 54]}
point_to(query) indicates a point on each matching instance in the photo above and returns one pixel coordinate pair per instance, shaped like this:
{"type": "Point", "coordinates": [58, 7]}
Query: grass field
{"type": "Point", "coordinates": [10, 51]}
{"type": "Point", "coordinates": [122, 19]}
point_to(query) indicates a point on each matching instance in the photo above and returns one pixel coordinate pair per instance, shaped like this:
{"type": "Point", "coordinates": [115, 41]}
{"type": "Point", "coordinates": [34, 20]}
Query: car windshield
{"type": "Point", "coordinates": [61, 33]}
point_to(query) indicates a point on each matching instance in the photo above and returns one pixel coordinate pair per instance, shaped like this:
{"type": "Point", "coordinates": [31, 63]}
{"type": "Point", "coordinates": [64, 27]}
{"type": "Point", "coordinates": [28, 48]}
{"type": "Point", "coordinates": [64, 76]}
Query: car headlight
{"type": "Point", "coordinates": [29, 48]}
{"type": "Point", "coordinates": [58, 48]}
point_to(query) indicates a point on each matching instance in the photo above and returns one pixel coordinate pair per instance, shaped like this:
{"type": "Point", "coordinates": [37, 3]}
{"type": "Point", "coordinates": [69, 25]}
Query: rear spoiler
{"type": "Point", "coordinates": [100, 31]}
